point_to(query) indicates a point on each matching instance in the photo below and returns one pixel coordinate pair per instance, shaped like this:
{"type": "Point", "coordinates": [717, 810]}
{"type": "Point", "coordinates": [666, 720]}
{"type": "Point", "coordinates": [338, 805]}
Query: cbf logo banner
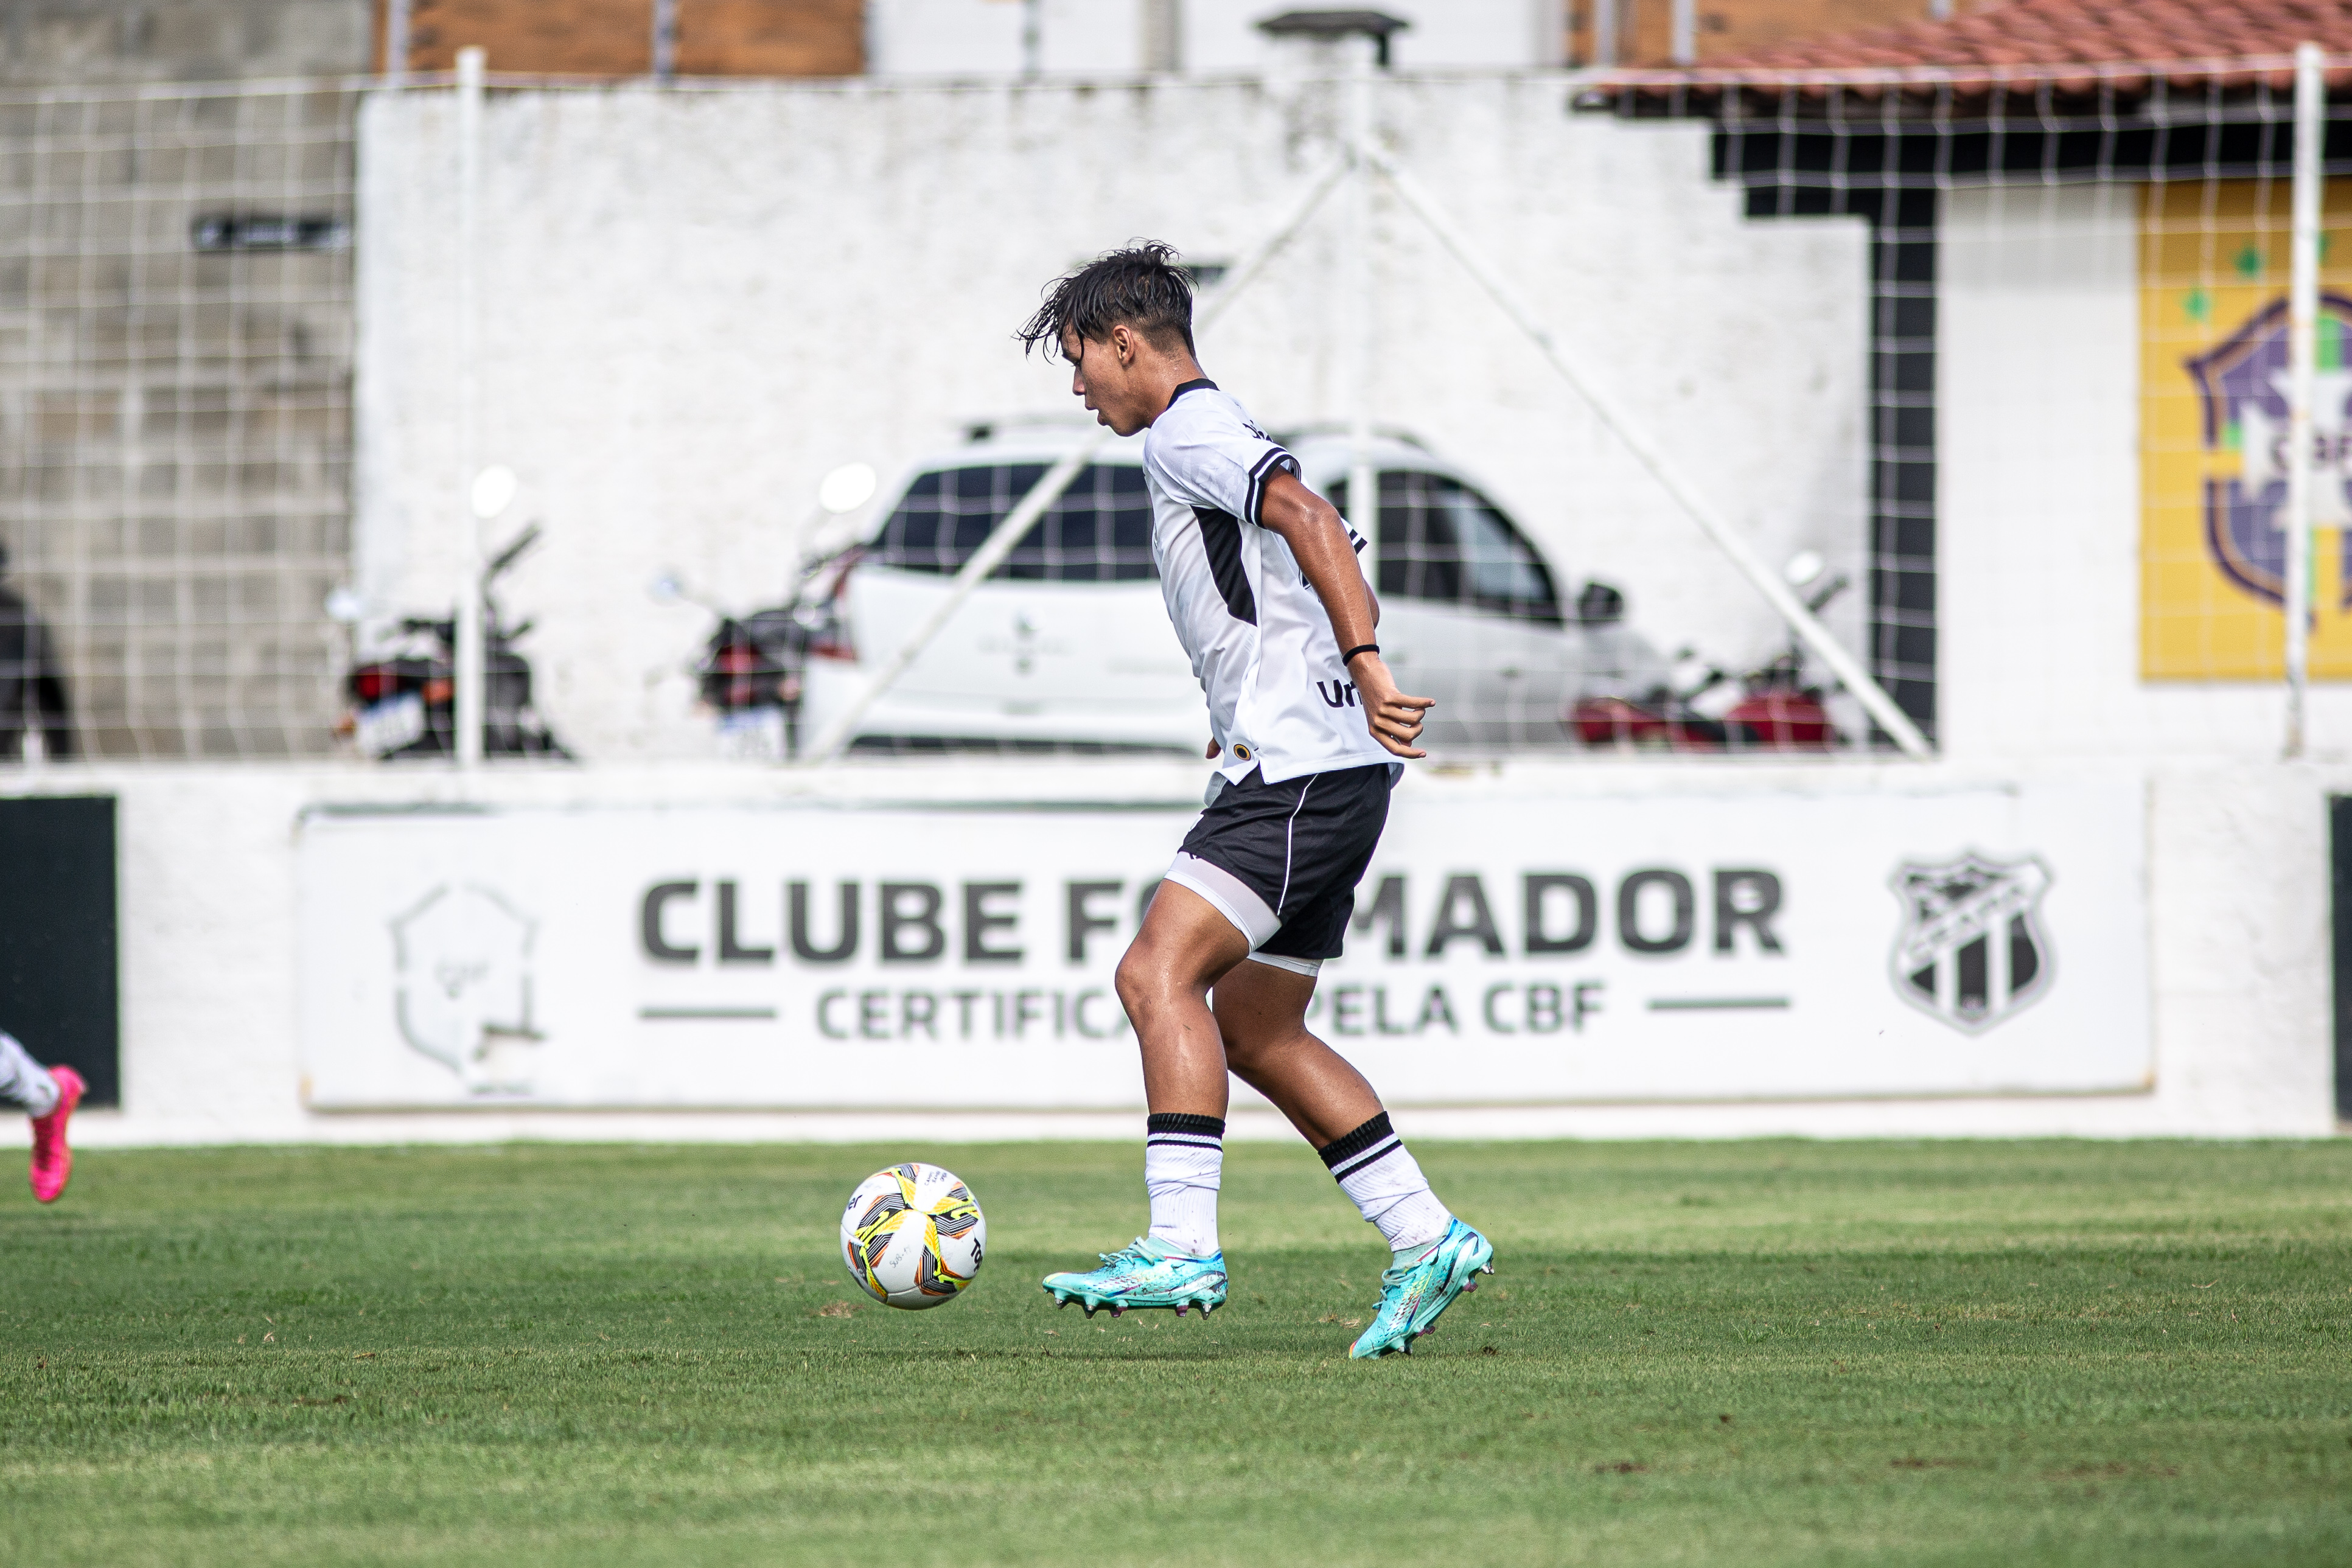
{"type": "Point", "coordinates": [1509, 946]}
{"type": "Point", "coordinates": [2213, 314]}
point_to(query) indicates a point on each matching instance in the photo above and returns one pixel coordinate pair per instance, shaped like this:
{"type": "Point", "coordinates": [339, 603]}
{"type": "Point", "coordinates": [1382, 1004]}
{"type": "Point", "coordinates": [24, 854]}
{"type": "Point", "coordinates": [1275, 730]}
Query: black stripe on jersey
{"type": "Point", "coordinates": [1254, 505]}
{"type": "Point", "coordinates": [1221, 537]}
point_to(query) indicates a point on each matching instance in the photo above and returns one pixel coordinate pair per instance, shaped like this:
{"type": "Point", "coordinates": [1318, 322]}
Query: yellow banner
{"type": "Point", "coordinates": [2213, 355]}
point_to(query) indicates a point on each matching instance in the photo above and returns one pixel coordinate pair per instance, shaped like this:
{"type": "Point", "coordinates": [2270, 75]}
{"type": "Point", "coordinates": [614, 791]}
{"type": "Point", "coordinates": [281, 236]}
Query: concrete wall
{"type": "Point", "coordinates": [698, 302]}
{"type": "Point", "coordinates": [968, 38]}
{"type": "Point", "coordinates": [84, 42]}
{"type": "Point", "coordinates": [2038, 399]}
{"type": "Point", "coordinates": [2237, 913]}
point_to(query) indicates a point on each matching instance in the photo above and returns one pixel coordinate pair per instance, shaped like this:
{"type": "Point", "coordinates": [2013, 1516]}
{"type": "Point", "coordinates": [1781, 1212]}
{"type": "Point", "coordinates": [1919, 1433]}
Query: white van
{"type": "Point", "coordinates": [1067, 647]}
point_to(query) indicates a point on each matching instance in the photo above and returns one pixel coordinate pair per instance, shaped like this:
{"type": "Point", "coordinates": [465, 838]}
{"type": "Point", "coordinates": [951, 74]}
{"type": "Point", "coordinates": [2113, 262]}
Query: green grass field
{"type": "Point", "coordinates": [1777, 1353]}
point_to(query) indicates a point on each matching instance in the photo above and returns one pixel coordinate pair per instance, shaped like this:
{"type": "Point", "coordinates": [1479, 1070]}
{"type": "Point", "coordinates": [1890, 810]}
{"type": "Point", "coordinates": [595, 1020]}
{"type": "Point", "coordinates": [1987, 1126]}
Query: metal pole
{"type": "Point", "coordinates": [395, 41]}
{"type": "Point", "coordinates": [1686, 32]}
{"type": "Point", "coordinates": [1881, 707]}
{"type": "Point", "coordinates": [1048, 489]}
{"type": "Point", "coordinates": [1356, 303]}
{"type": "Point", "coordinates": [1604, 33]}
{"type": "Point", "coordinates": [469, 547]}
{"type": "Point", "coordinates": [1032, 37]}
{"type": "Point", "coordinates": [665, 49]}
{"type": "Point", "coordinates": [2303, 362]}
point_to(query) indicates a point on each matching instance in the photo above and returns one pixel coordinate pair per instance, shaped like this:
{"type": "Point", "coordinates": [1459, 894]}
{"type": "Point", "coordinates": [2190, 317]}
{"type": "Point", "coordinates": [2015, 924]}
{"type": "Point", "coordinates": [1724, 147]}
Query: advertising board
{"type": "Point", "coordinates": [1506, 949]}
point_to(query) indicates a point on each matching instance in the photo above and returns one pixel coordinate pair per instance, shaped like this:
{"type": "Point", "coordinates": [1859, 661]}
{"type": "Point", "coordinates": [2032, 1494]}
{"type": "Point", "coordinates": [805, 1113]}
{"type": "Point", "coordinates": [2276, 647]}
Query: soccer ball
{"type": "Point", "coordinates": [912, 1236]}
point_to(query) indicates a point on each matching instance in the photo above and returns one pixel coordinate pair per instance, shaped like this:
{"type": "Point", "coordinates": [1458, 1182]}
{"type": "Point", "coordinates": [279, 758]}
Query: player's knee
{"type": "Point", "coordinates": [1141, 979]}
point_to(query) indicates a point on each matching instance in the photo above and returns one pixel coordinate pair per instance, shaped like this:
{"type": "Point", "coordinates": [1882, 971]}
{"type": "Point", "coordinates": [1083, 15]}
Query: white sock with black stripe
{"type": "Point", "coordinates": [1183, 1162]}
{"type": "Point", "coordinates": [25, 1082]}
{"type": "Point", "coordinates": [1373, 1168]}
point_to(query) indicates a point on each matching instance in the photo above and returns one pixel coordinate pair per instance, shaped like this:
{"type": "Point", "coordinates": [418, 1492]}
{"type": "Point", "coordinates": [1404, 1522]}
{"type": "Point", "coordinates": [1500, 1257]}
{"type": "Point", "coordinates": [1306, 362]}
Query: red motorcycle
{"type": "Point", "coordinates": [1772, 709]}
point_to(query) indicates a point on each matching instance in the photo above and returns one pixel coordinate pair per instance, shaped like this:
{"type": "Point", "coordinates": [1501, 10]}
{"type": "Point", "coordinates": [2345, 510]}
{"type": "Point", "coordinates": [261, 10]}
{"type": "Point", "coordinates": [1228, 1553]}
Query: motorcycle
{"type": "Point", "coordinates": [753, 671]}
{"type": "Point", "coordinates": [1702, 708]}
{"type": "Point", "coordinates": [405, 706]}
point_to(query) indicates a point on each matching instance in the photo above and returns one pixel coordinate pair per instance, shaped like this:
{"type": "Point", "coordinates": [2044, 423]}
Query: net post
{"type": "Point", "coordinates": [1356, 296]}
{"type": "Point", "coordinates": [395, 41]}
{"type": "Point", "coordinates": [468, 639]}
{"type": "Point", "coordinates": [2303, 360]}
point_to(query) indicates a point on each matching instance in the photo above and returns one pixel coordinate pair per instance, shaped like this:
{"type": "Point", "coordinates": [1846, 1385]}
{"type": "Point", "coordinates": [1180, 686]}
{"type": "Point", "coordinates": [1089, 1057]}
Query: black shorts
{"type": "Point", "coordinates": [1282, 860]}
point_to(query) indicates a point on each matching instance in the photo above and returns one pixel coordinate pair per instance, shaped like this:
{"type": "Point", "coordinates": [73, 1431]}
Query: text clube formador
{"type": "Point", "coordinates": [945, 961]}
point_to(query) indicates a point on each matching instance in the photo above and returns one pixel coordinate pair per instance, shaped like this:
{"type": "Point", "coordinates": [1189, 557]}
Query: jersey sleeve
{"type": "Point", "coordinates": [1207, 459]}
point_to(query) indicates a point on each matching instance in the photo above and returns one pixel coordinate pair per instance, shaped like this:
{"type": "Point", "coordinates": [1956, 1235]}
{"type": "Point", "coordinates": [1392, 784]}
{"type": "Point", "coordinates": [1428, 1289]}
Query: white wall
{"type": "Point", "coordinates": [978, 37]}
{"type": "Point", "coordinates": [699, 301]}
{"type": "Point", "coordinates": [2037, 527]}
{"type": "Point", "coordinates": [2237, 911]}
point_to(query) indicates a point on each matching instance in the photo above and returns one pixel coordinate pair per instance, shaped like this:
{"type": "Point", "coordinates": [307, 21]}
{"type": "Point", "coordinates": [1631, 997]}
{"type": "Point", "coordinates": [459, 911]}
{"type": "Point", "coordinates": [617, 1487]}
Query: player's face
{"type": "Point", "coordinates": [1104, 375]}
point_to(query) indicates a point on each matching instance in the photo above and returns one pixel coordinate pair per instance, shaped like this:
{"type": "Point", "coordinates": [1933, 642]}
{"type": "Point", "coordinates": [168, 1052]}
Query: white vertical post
{"type": "Point", "coordinates": [1032, 37]}
{"type": "Point", "coordinates": [1361, 329]}
{"type": "Point", "coordinates": [1162, 26]}
{"type": "Point", "coordinates": [1604, 33]}
{"type": "Point", "coordinates": [665, 39]}
{"type": "Point", "coordinates": [469, 548]}
{"type": "Point", "coordinates": [1686, 32]}
{"type": "Point", "coordinates": [1939, 10]}
{"type": "Point", "coordinates": [395, 40]}
{"type": "Point", "coordinates": [2302, 361]}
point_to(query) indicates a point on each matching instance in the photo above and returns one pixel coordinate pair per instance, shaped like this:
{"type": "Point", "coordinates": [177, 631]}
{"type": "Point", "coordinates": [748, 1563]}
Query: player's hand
{"type": "Point", "coordinates": [1394, 718]}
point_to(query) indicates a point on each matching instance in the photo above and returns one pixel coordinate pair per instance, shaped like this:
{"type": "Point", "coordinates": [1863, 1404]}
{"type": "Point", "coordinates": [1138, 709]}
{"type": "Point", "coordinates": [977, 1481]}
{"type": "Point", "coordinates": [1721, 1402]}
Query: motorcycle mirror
{"type": "Point", "coordinates": [846, 488]}
{"type": "Point", "coordinates": [494, 491]}
{"type": "Point", "coordinates": [345, 605]}
{"type": "Point", "coordinates": [1803, 567]}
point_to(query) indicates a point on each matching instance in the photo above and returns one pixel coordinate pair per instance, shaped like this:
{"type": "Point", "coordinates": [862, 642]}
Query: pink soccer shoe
{"type": "Point", "coordinates": [52, 1160]}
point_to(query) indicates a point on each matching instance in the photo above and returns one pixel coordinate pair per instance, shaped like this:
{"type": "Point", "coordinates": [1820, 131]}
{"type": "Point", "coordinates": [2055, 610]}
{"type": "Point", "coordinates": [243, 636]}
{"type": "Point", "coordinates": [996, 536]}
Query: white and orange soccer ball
{"type": "Point", "coordinates": [912, 1236]}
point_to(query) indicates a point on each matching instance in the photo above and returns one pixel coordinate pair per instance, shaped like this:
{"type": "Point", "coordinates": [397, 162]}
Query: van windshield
{"type": "Point", "coordinates": [1099, 532]}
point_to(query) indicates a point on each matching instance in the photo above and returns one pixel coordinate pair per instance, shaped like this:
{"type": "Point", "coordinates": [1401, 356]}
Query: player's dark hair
{"type": "Point", "coordinates": [1140, 285]}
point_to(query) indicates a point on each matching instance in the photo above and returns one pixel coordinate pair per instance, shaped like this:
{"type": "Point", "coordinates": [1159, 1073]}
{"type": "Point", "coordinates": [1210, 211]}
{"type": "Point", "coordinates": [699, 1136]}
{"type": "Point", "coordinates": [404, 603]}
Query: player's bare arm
{"type": "Point", "coordinates": [1318, 542]}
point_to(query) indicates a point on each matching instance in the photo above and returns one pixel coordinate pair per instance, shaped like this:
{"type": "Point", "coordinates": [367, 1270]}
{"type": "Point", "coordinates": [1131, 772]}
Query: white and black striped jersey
{"type": "Point", "coordinates": [1261, 644]}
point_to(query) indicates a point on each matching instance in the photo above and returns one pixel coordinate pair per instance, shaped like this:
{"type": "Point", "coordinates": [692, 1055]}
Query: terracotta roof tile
{"type": "Point", "coordinates": [2236, 42]}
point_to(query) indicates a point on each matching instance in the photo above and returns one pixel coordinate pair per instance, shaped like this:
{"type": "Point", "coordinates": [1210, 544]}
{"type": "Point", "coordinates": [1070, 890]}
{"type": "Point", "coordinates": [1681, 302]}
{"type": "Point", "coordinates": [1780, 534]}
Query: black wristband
{"type": "Point", "coordinates": [1360, 648]}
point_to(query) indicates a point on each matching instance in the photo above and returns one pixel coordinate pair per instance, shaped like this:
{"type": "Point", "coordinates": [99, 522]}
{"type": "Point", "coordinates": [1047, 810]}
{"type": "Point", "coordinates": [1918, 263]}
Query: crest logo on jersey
{"type": "Point", "coordinates": [2241, 385]}
{"type": "Point", "coordinates": [462, 964]}
{"type": "Point", "coordinates": [1971, 950]}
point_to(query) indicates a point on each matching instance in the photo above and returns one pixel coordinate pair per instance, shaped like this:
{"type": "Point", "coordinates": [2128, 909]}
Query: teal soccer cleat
{"type": "Point", "coordinates": [1144, 1274]}
{"type": "Point", "coordinates": [1411, 1297]}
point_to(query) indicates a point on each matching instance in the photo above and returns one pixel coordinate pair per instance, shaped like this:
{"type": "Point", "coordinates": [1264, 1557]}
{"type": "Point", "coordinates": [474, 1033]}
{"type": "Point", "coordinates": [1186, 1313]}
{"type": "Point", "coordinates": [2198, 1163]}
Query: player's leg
{"type": "Point", "coordinates": [49, 1095]}
{"type": "Point", "coordinates": [1185, 945]}
{"type": "Point", "coordinates": [1261, 1009]}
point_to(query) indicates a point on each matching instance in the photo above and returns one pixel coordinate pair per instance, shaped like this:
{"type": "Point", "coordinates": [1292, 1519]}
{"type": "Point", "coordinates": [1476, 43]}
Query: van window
{"type": "Point", "coordinates": [1099, 530]}
{"type": "Point", "coordinates": [1443, 542]}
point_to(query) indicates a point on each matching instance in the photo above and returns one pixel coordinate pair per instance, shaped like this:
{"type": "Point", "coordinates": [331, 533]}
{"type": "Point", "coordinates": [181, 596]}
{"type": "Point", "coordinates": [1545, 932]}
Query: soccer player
{"type": "Point", "coordinates": [1263, 581]}
{"type": "Point", "coordinates": [48, 1095]}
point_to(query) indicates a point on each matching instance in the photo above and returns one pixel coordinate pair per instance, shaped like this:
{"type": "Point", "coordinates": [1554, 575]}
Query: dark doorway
{"type": "Point", "coordinates": [2339, 855]}
{"type": "Point", "coordinates": [57, 986]}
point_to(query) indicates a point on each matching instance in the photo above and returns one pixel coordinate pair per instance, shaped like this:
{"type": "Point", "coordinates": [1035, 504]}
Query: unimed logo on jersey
{"type": "Point", "coordinates": [1972, 951]}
